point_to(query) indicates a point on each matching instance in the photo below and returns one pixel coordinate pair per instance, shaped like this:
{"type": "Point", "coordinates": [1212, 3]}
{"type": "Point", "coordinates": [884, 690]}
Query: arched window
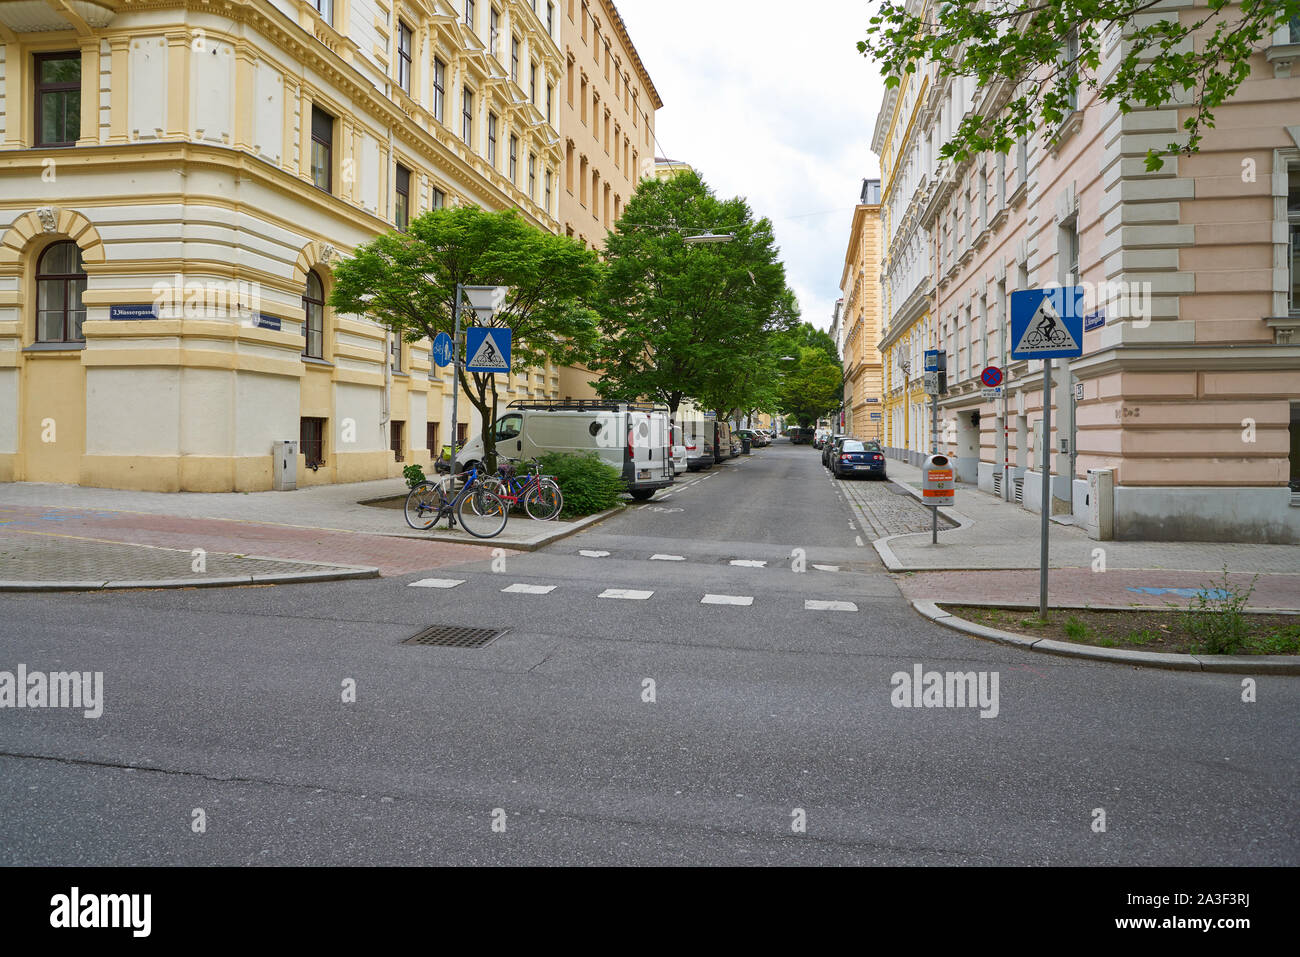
{"type": "Point", "coordinates": [313, 304]}
{"type": "Point", "coordinates": [60, 282]}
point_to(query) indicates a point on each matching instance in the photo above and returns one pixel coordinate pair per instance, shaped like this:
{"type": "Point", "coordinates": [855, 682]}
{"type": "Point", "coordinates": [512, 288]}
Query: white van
{"type": "Point", "coordinates": [699, 444]}
{"type": "Point", "coordinates": [633, 437]}
{"type": "Point", "coordinates": [679, 460]}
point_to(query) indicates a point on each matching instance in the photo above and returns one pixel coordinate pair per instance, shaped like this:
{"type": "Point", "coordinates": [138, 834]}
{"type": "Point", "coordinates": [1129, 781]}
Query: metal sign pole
{"type": "Point", "coordinates": [455, 385]}
{"type": "Point", "coordinates": [934, 450]}
{"type": "Point", "coordinates": [1047, 487]}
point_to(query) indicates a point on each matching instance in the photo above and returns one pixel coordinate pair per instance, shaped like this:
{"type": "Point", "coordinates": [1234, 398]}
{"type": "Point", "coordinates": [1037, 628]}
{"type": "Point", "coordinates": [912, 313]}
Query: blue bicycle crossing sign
{"type": "Point", "coordinates": [1047, 323]}
{"type": "Point", "coordinates": [487, 349]}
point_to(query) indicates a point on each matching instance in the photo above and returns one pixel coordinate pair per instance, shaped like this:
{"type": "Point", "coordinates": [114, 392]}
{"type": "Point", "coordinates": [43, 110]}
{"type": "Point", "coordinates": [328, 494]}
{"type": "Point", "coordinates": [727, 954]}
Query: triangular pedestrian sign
{"type": "Point", "coordinates": [1045, 333]}
{"type": "Point", "coordinates": [491, 353]}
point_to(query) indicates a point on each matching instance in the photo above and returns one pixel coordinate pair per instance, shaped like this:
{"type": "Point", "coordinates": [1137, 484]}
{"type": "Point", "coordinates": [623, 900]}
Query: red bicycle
{"type": "Point", "coordinates": [539, 494]}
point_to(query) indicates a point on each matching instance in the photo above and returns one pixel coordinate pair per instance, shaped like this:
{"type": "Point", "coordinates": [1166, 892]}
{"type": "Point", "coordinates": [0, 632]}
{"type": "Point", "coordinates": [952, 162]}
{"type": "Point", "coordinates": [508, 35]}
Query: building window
{"type": "Point", "coordinates": [326, 10]}
{"type": "Point", "coordinates": [313, 307]}
{"type": "Point", "coordinates": [550, 19]}
{"type": "Point", "coordinates": [492, 139]}
{"type": "Point", "coordinates": [402, 208]}
{"type": "Point", "coordinates": [438, 200]}
{"type": "Point", "coordinates": [439, 89]}
{"type": "Point", "coordinates": [1069, 65]}
{"type": "Point", "coordinates": [550, 93]}
{"type": "Point", "coordinates": [311, 440]}
{"type": "Point", "coordinates": [1068, 250]}
{"type": "Point", "coordinates": [462, 434]}
{"type": "Point", "coordinates": [547, 197]}
{"type": "Point", "coordinates": [395, 350]}
{"type": "Point", "coordinates": [60, 283]}
{"type": "Point", "coordinates": [58, 99]}
{"type": "Point", "coordinates": [403, 56]}
{"type": "Point", "coordinates": [469, 14]}
{"type": "Point", "coordinates": [514, 159]}
{"type": "Point", "coordinates": [569, 82]}
{"type": "Point", "coordinates": [431, 440]}
{"type": "Point", "coordinates": [322, 149]}
{"type": "Point", "coordinates": [514, 59]}
{"type": "Point", "coordinates": [467, 118]}
{"type": "Point", "coordinates": [494, 24]}
{"type": "Point", "coordinates": [532, 176]}
{"type": "Point", "coordinates": [583, 90]}
{"type": "Point", "coordinates": [532, 84]}
{"type": "Point", "coordinates": [397, 434]}
{"type": "Point", "coordinates": [1293, 255]}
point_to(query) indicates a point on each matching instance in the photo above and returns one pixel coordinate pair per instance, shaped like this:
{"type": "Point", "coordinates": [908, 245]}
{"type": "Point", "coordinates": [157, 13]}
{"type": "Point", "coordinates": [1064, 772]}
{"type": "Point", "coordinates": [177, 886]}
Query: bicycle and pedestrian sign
{"type": "Point", "coordinates": [442, 349]}
{"type": "Point", "coordinates": [1047, 323]}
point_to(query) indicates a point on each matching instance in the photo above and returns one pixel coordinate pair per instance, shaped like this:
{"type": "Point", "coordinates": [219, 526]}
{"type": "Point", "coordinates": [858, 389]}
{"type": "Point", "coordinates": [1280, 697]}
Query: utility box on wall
{"type": "Point", "coordinates": [284, 466]}
{"type": "Point", "coordinates": [1101, 504]}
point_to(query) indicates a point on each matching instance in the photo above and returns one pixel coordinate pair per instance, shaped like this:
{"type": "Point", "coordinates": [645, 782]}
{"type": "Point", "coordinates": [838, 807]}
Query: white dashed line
{"type": "Point", "coordinates": [437, 583]}
{"type": "Point", "coordinates": [520, 589]}
{"type": "Point", "coordinates": [811, 604]}
{"type": "Point", "coordinates": [858, 539]}
{"type": "Point", "coordinates": [667, 558]}
{"type": "Point", "coordinates": [629, 593]}
{"type": "Point", "coordinates": [827, 568]}
{"type": "Point", "coordinates": [748, 563]}
{"type": "Point", "coordinates": [586, 553]}
{"type": "Point", "coordinates": [727, 600]}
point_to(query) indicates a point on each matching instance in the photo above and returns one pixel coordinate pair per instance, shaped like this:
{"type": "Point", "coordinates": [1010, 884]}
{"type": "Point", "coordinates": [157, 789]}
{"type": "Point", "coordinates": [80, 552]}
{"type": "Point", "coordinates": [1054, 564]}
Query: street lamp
{"type": "Point", "coordinates": [709, 238]}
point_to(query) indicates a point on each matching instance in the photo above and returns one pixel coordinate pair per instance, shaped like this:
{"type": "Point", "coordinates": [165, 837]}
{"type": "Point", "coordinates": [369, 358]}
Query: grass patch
{"type": "Point", "coordinates": [1140, 629]}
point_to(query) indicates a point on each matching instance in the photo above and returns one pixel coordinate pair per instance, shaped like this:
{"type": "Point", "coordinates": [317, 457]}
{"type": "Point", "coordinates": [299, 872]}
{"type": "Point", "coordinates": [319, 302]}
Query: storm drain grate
{"type": "Point", "coordinates": [452, 636]}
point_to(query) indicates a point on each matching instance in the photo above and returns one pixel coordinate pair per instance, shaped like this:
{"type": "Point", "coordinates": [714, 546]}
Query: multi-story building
{"type": "Point", "coordinates": [668, 168]}
{"type": "Point", "coordinates": [608, 117]}
{"type": "Point", "coordinates": [905, 139]}
{"type": "Point", "coordinates": [1189, 383]}
{"type": "Point", "coordinates": [860, 318]}
{"type": "Point", "coordinates": [178, 180]}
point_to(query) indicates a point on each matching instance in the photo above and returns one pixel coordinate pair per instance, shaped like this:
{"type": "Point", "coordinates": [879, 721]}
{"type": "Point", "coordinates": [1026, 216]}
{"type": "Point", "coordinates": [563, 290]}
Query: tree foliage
{"type": "Point", "coordinates": [688, 321]}
{"type": "Point", "coordinates": [407, 281]}
{"type": "Point", "coordinates": [1039, 54]}
{"type": "Point", "coordinates": [813, 387]}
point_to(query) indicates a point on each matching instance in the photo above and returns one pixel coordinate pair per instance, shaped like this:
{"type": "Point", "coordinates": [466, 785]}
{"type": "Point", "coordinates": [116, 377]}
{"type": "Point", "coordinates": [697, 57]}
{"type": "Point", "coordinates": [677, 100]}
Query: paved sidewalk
{"type": "Point", "coordinates": [1002, 535]}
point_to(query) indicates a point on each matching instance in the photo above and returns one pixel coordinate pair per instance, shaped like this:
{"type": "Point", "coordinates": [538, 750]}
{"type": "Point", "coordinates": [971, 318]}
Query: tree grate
{"type": "Point", "coordinates": [452, 636]}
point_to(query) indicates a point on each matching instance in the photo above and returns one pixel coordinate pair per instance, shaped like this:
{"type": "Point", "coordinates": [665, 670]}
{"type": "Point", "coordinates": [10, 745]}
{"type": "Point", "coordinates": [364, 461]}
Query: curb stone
{"type": "Point", "coordinates": [527, 545]}
{"type": "Point", "coordinates": [331, 573]}
{"type": "Point", "coordinates": [1220, 664]}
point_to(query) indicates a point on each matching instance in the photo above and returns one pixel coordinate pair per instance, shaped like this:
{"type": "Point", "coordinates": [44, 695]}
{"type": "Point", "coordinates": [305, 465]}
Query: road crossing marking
{"type": "Point", "coordinates": [748, 563]}
{"type": "Point", "coordinates": [667, 558]}
{"type": "Point", "coordinates": [812, 604]}
{"type": "Point", "coordinates": [591, 553]}
{"type": "Point", "coordinates": [437, 583]}
{"type": "Point", "coordinates": [727, 600]}
{"type": "Point", "coordinates": [827, 568]}
{"type": "Point", "coordinates": [521, 589]}
{"type": "Point", "coordinates": [629, 593]}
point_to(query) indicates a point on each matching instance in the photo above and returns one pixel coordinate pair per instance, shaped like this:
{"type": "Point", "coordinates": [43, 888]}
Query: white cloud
{"type": "Point", "coordinates": [771, 101]}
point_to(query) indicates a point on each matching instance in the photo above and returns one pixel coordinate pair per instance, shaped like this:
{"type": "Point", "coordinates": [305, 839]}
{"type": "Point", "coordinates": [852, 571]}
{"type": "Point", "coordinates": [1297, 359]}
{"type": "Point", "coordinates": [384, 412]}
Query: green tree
{"type": "Point", "coordinates": [1037, 54]}
{"type": "Point", "coordinates": [814, 387]}
{"type": "Point", "coordinates": [682, 320]}
{"type": "Point", "coordinates": [806, 335]}
{"type": "Point", "coordinates": [407, 281]}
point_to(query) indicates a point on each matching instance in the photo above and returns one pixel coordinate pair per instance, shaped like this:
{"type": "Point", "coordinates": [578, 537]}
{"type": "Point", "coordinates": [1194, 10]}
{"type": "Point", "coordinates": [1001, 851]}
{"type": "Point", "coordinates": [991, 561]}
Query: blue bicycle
{"type": "Point", "coordinates": [480, 511]}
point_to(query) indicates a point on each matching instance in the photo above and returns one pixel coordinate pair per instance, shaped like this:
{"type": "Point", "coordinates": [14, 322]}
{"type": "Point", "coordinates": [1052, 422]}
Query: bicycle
{"type": "Point", "coordinates": [539, 494]}
{"type": "Point", "coordinates": [1037, 336]}
{"type": "Point", "coordinates": [480, 511]}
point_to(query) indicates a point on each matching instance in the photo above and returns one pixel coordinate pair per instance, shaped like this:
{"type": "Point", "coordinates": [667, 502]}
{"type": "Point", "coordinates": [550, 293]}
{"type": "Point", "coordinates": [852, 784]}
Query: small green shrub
{"type": "Point", "coordinates": [414, 475]}
{"type": "Point", "coordinates": [1032, 622]}
{"type": "Point", "coordinates": [1075, 630]}
{"type": "Point", "coordinates": [1215, 617]}
{"type": "Point", "coordinates": [587, 483]}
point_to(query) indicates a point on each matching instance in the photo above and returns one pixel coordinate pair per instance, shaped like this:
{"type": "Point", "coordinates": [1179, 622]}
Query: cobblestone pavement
{"type": "Point", "coordinates": [22, 526]}
{"type": "Point", "coordinates": [1147, 588]}
{"type": "Point", "coordinates": [885, 508]}
{"type": "Point", "coordinates": [44, 559]}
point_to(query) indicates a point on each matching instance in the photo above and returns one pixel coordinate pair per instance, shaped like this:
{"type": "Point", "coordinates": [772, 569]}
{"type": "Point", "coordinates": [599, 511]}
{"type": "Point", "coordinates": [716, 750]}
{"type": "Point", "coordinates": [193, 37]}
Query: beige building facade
{"type": "Point", "coordinates": [1187, 390]}
{"type": "Point", "coordinates": [859, 319]}
{"type": "Point", "coordinates": [178, 183]}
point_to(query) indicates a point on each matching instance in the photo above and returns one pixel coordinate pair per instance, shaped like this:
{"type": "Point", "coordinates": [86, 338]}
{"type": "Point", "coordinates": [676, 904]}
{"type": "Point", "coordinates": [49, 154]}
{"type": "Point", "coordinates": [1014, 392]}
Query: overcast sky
{"type": "Point", "coordinates": [770, 101]}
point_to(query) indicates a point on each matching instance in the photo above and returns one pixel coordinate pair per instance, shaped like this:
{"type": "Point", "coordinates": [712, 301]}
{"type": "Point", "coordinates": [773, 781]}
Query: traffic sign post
{"type": "Point", "coordinates": [1046, 324]}
{"type": "Point", "coordinates": [443, 349]}
{"type": "Point", "coordinates": [484, 301]}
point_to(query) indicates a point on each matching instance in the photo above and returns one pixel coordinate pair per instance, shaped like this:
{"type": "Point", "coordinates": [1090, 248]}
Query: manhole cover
{"type": "Point", "coordinates": [451, 636]}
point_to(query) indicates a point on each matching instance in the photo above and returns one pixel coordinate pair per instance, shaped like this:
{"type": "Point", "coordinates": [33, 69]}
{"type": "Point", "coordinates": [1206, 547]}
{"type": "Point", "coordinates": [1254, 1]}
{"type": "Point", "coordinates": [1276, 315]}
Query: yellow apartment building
{"type": "Point", "coordinates": [859, 318]}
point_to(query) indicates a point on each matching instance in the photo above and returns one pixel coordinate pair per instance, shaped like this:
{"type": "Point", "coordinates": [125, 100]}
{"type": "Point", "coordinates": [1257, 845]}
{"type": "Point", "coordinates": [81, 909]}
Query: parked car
{"type": "Point", "coordinates": [802, 436]}
{"type": "Point", "coordinates": [819, 438]}
{"type": "Point", "coordinates": [633, 437]}
{"type": "Point", "coordinates": [726, 449]}
{"type": "Point", "coordinates": [829, 447]}
{"type": "Point", "coordinates": [857, 458]}
{"type": "Point", "coordinates": [757, 439]}
{"type": "Point", "coordinates": [698, 436]}
{"type": "Point", "coordinates": [679, 460]}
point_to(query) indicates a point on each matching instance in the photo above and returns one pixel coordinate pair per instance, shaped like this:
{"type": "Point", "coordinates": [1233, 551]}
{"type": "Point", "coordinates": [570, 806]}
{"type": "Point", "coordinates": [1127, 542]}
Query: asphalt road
{"type": "Point", "coordinates": [230, 701]}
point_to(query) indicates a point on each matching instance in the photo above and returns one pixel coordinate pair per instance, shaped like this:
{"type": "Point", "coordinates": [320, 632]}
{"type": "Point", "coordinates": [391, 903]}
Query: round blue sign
{"type": "Point", "coordinates": [442, 349]}
{"type": "Point", "coordinates": [991, 377]}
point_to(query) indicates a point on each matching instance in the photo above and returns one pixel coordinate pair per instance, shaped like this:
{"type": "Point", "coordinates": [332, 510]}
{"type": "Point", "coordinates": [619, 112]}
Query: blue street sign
{"type": "Point", "coordinates": [134, 311]}
{"type": "Point", "coordinates": [442, 349]}
{"type": "Point", "coordinates": [931, 360]}
{"type": "Point", "coordinates": [1047, 323]}
{"type": "Point", "coordinates": [1094, 320]}
{"type": "Point", "coordinates": [487, 349]}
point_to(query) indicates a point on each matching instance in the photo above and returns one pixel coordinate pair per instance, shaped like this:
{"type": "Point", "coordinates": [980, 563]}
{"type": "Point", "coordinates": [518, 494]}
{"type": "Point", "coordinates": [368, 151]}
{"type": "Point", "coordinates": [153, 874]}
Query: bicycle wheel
{"type": "Point", "coordinates": [482, 513]}
{"type": "Point", "coordinates": [544, 502]}
{"type": "Point", "coordinates": [424, 505]}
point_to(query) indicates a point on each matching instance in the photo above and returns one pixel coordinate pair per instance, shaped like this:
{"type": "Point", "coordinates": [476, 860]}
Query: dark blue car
{"type": "Point", "coordinates": [858, 458]}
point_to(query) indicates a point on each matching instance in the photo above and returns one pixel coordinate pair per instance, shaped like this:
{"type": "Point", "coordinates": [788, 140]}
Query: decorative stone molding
{"type": "Point", "coordinates": [48, 216]}
{"type": "Point", "coordinates": [45, 221]}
